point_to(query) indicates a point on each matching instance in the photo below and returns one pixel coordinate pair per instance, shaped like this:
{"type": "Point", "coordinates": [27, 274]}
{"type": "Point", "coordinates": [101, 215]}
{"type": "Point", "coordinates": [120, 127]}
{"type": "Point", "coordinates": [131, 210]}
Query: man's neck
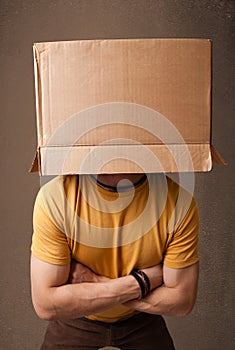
{"type": "Point", "coordinates": [114, 179]}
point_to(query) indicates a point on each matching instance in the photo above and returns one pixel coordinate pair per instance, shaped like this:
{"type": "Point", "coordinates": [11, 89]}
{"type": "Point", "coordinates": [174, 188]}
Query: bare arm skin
{"type": "Point", "coordinates": [80, 274]}
{"type": "Point", "coordinates": [53, 298]}
{"type": "Point", "coordinates": [176, 297]}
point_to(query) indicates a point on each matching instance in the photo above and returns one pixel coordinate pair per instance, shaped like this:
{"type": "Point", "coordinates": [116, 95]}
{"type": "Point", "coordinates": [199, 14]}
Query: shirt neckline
{"type": "Point", "coordinates": [137, 188]}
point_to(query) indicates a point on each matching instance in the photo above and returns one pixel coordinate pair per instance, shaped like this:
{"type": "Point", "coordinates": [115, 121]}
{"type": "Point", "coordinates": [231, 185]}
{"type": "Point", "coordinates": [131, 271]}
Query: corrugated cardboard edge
{"type": "Point", "coordinates": [215, 157]}
{"type": "Point", "coordinates": [38, 92]}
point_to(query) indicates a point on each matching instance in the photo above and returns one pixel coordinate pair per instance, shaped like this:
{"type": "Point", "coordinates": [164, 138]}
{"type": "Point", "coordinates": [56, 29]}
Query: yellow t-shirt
{"type": "Point", "coordinates": [113, 233]}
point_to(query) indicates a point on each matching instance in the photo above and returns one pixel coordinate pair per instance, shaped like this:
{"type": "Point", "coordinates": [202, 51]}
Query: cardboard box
{"type": "Point", "coordinates": [122, 106]}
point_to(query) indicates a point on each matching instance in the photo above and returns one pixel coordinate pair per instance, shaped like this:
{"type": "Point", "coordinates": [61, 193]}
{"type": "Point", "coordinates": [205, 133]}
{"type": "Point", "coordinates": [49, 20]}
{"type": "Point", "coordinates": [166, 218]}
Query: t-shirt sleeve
{"type": "Point", "coordinates": [182, 250]}
{"type": "Point", "coordinates": [49, 243]}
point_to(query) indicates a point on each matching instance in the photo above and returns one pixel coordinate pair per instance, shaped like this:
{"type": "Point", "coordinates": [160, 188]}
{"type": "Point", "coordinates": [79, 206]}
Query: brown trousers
{"type": "Point", "coordinates": [140, 332]}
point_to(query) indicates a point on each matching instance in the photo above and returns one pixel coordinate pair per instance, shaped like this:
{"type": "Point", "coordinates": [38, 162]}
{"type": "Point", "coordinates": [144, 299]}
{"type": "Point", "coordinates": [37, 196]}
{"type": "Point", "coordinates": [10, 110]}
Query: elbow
{"type": "Point", "coordinates": [44, 306]}
{"type": "Point", "coordinates": [187, 303]}
{"type": "Point", "coordinates": [184, 312]}
{"type": "Point", "coordinates": [44, 313]}
{"type": "Point", "coordinates": [185, 309]}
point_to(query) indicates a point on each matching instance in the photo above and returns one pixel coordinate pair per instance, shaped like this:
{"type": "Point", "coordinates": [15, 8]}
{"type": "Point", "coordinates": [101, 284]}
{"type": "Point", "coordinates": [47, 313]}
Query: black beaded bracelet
{"type": "Point", "coordinates": [147, 281]}
{"type": "Point", "coordinates": [140, 281]}
{"type": "Point", "coordinates": [143, 281]}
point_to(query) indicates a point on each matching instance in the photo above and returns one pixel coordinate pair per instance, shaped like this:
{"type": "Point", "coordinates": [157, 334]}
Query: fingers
{"type": "Point", "coordinates": [76, 272]}
{"type": "Point", "coordinates": [80, 273]}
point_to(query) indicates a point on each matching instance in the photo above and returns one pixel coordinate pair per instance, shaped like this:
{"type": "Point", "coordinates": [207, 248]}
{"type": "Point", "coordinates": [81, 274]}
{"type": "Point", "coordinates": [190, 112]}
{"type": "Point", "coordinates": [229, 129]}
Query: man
{"type": "Point", "coordinates": [110, 254]}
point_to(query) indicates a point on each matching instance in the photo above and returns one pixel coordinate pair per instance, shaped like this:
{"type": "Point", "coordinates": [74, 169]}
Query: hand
{"type": "Point", "coordinates": [80, 273]}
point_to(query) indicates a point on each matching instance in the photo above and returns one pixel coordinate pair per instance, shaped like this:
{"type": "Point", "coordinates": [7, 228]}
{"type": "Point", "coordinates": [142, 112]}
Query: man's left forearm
{"type": "Point", "coordinates": [176, 297]}
{"type": "Point", "coordinates": [164, 301]}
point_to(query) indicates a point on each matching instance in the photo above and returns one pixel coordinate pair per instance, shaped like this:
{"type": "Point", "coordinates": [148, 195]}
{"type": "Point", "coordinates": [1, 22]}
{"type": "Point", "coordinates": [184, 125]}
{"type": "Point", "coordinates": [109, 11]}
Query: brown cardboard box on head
{"type": "Point", "coordinates": [123, 106]}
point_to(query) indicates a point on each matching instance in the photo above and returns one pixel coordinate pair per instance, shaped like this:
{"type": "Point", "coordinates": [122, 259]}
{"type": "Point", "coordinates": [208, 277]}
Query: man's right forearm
{"type": "Point", "coordinates": [78, 300]}
{"type": "Point", "coordinates": [73, 291]}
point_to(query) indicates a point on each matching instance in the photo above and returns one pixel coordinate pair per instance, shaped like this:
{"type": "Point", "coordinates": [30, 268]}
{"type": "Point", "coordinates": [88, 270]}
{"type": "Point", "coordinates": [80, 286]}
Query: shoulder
{"type": "Point", "coordinates": [174, 192]}
{"type": "Point", "coordinates": [52, 198]}
{"type": "Point", "coordinates": [180, 194]}
{"type": "Point", "coordinates": [49, 241]}
{"type": "Point", "coordinates": [183, 207]}
{"type": "Point", "coordinates": [53, 186]}
{"type": "Point", "coordinates": [58, 187]}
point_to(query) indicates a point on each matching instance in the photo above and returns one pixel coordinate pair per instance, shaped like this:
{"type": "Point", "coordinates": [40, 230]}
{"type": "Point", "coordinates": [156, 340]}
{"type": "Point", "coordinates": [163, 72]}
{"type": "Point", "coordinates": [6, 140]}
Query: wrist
{"type": "Point", "coordinates": [155, 275]}
{"type": "Point", "coordinates": [143, 282]}
{"type": "Point", "coordinates": [138, 293]}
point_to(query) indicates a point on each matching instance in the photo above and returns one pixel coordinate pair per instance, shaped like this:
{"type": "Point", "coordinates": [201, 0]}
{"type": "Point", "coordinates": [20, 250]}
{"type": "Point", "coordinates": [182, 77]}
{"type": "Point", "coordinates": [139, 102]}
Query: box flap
{"type": "Point", "coordinates": [35, 167]}
{"type": "Point", "coordinates": [216, 157]}
{"type": "Point", "coordinates": [123, 159]}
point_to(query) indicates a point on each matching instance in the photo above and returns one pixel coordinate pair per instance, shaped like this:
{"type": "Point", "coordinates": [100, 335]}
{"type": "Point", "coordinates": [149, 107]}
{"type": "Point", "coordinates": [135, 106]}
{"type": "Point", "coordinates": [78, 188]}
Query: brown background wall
{"type": "Point", "coordinates": [210, 326]}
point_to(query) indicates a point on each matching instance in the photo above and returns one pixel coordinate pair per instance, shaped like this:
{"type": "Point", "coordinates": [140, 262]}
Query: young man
{"type": "Point", "coordinates": [110, 255]}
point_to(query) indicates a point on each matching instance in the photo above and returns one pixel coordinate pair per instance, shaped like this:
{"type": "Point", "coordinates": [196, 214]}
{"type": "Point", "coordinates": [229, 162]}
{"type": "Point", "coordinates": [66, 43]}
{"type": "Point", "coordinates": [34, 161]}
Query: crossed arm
{"type": "Point", "coordinates": [87, 293]}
